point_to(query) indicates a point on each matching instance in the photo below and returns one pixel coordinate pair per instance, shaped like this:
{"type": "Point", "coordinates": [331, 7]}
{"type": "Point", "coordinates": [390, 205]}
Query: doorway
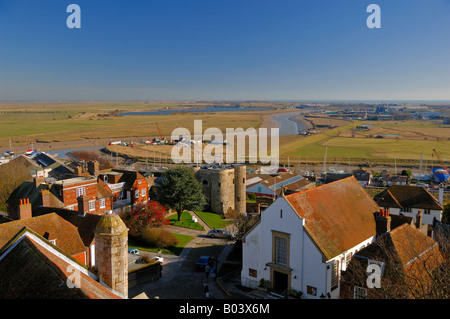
{"type": "Point", "coordinates": [280, 281]}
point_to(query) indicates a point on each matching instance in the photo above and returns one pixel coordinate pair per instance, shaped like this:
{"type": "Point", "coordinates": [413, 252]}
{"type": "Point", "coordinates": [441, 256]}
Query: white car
{"type": "Point", "coordinates": [155, 259]}
{"type": "Point", "coordinates": [133, 251]}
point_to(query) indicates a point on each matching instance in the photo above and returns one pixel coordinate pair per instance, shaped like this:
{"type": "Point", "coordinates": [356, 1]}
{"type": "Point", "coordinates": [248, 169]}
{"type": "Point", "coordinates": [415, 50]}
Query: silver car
{"type": "Point", "coordinates": [220, 233]}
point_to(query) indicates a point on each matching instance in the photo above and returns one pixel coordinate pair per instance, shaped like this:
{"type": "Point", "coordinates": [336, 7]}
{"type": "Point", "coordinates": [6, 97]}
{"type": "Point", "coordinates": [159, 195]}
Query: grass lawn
{"type": "Point", "coordinates": [174, 250]}
{"type": "Point", "coordinates": [213, 220]}
{"type": "Point", "coordinates": [186, 221]}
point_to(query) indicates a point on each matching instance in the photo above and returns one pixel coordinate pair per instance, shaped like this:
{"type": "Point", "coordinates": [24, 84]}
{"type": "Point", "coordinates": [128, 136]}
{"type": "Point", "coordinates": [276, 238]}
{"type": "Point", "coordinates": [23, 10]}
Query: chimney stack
{"type": "Point", "coordinates": [382, 221]}
{"type": "Point", "coordinates": [93, 168]}
{"type": "Point", "coordinates": [111, 253]}
{"type": "Point", "coordinates": [45, 198]}
{"type": "Point", "coordinates": [25, 210]}
{"type": "Point", "coordinates": [441, 195]}
{"type": "Point", "coordinates": [83, 205]}
{"type": "Point", "coordinates": [419, 218]}
{"type": "Point", "coordinates": [79, 170]}
{"type": "Point", "coordinates": [38, 180]}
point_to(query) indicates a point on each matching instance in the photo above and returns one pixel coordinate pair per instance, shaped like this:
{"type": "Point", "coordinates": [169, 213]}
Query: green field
{"type": "Point", "coordinates": [340, 145]}
{"type": "Point", "coordinates": [22, 124]}
{"type": "Point", "coordinates": [71, 122]}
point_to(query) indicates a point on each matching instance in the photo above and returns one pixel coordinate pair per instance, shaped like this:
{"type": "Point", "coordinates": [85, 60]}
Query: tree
{"type": "Point", "coordinates": [446, 213]}
{"type": "Point", "coordinates": [178, 189]}
{"type": "Point", "coordinates": [423, 275]}
{"type": "Point", "coordinates": [244, 223]}
{"type": "Point", "coordinates": [12, 175]}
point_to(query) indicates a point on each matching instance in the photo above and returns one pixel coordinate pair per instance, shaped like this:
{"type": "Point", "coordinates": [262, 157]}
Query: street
{"type": "Point", "coordinates": [180, 280]}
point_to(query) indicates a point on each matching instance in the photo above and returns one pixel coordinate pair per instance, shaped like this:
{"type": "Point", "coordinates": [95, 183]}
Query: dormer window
{"type": "Point", "coordinates": [81, 191]}
{"type": "Point", "coordinates": [92, 205]}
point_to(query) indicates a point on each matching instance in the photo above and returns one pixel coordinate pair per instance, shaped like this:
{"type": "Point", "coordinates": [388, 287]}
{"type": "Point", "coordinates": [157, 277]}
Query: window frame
{"type": "Point", "coordinates": [275, 248]}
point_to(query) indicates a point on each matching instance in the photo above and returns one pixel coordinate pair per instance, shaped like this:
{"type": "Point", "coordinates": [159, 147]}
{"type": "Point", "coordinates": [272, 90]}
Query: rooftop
{"type": "Point", "coordinates": [338, 215]}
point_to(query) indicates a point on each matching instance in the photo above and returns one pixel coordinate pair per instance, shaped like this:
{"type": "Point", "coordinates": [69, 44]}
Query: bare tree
{"type": "Point", "coordinates": [12, 175]}
{"type": "Point", "coordinates": [407, 272]}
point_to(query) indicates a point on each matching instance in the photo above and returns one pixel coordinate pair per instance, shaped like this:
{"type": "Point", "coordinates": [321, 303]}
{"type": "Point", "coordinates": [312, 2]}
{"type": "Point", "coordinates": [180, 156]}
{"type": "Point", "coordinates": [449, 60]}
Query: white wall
{"type": "Point", "coordinates": [257, 248]}
{"type": "Point", "coordinates": [426, 219]}
{"type": "Point", "coordinates": [306, 260]}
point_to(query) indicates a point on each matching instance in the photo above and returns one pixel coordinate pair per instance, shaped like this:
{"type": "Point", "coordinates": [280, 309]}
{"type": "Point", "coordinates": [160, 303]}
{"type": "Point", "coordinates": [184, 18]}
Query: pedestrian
{"type": "Point", "coordinates": [207, 270]}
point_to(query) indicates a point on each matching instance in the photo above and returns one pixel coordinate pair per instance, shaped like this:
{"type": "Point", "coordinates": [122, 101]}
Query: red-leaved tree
{"type": "Point", "coordinates": [150, 214]}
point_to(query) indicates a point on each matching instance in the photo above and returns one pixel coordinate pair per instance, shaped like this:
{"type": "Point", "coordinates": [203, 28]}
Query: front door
{"type": "Point", "coordinates": [280, 281]}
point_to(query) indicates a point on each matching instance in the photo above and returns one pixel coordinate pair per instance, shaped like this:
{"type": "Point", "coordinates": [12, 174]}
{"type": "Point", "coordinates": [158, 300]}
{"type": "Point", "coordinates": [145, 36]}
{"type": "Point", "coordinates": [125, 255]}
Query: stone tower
{"type": "Point", "coordinates": [223, 186]}
{"type": "Point", "coordinates": [240, 190]}
{"type": "Point", "coordinates": [111, 253]}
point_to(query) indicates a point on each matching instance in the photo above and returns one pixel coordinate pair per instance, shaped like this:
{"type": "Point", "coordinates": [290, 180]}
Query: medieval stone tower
{"type": "Point", "coordinates": [223, 187]}
{"type": "Point", "coordinates": [111, 253]}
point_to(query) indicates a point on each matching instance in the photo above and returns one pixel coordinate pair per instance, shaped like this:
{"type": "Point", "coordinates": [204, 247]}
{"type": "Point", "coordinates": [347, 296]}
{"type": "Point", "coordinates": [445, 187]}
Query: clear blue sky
{"type": "Point", "coordinates": [225, 49]}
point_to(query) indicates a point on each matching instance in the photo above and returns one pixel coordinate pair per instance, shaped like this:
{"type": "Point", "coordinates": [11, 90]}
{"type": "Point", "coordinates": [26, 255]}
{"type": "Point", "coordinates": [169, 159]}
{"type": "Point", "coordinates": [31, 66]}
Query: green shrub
{"type": "Point", "coordinates": [157, 237]}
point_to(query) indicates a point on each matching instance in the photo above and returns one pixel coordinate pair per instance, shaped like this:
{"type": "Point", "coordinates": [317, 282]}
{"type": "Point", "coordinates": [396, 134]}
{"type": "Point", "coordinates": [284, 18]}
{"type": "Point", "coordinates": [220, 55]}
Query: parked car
{"type": "Point", "coordinates": [133, 251]}
{"type": "Point", "coordinates": [220, 233]}
{"type": "Point", "coordinates": [155, 259]}
{"type": "Point", "coordinates": [203, 262]}
{"type": "Point", "coordinates": [422, 184]}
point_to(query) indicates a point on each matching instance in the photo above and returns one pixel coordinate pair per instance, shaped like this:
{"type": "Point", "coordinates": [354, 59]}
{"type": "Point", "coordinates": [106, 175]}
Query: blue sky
{"type": "Point", "coordinates": [225, 49]}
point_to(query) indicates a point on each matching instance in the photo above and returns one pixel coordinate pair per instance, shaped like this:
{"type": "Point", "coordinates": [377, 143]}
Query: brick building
{"type": "Point", "coordinates": [82, 194]}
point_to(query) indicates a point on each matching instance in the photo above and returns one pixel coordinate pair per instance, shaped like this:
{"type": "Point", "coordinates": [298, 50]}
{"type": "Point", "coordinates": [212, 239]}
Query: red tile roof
{"type": "Point", "coordinates": [409, 243]}
{"type": "Point", "coordinates": [338, 215]}
{"type": "Point", "coordinates": [50, 226]}
{"type": "Point", "coordinates": [34, 269]}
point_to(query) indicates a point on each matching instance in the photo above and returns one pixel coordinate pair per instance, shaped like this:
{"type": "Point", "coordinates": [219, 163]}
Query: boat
{"type": "Point", "coordinates": [440, 175]}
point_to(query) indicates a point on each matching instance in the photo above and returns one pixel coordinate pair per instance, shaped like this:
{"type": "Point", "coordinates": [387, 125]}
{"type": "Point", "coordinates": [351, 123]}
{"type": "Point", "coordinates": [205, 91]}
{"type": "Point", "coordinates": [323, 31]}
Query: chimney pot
{"type": "Point", "coordinates": [24, 211]}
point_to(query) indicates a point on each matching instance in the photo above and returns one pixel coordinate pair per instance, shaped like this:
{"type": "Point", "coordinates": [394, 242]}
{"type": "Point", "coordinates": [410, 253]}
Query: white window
{"type": "Point", "coordinates": [102, 203]}
{"type": "Point", "coordinates": [335, 275]}
{"type": "Point", "coordinates": [281, 250]}
{"type": "Point", "coordinates": [348, 257]}
{"type": "Point", "coordinates": [143, 192]}
{"type": "Point", "coordinates": [81, 191]}
{"type": "Point", "coordinates": [136, 193]}
{"type": "Point", "coordinates": [359, 293]}
{"type": "Point", "coordinates": [92, 205]}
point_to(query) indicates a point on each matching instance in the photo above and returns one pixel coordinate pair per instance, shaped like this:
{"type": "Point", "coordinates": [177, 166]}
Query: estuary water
{"type": "Point", "coordinates": [201, 110]}
{"type": "Point", "coordinates": [287, 126]}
